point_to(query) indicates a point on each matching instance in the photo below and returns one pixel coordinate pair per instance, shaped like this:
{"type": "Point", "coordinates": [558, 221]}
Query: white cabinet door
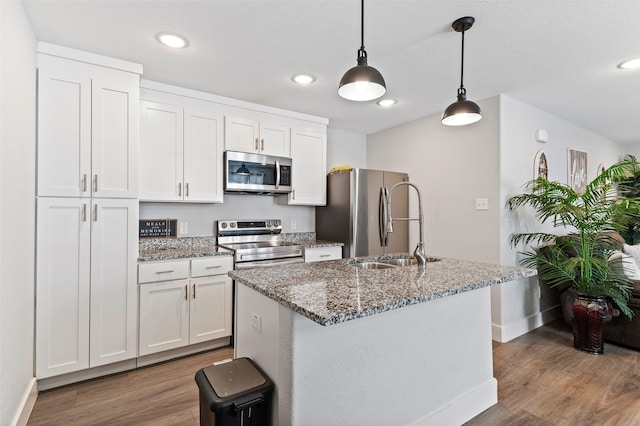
{"type": "Point", "coordinates": [210, 310]}
{"type": "Point", "coordinates": [64, 131]}
{"type": "Point", "coordinates": [275, 139]}
{"type": "Point", "coordinates": [309, 155]}
{"type": "Point", "coordinates": [114, 135]}
{"type": "Point", "coordinates": [114, 249]}
{"type": "Point", "coordinates": [241, 134]}
{"type": "Point", "coordinates": [263, 137]}
{"type": "Point", "coordinates": [161, 155]}
{"type": "Point", "coordinates": [203, 148]}
{"type": "Point", "coordinates": [164, 316]}
{"type": "Point", "coordinates": [62, 286]}
{"type": "Point", "coordinates": [87, 130]}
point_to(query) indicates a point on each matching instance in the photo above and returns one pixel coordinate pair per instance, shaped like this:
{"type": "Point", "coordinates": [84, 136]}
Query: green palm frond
{"type": "Point", "coordinates": [581, 259]}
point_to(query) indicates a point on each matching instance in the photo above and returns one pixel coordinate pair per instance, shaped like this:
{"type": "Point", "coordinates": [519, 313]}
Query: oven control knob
{"type": "Point", "coordinates": [224, 225]}
{"type": "Point", "coordinates": [232, 224]}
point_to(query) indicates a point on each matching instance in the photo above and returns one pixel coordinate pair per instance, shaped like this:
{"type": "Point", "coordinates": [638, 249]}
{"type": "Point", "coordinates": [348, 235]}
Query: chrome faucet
{"type": "Point", "coordinates": [418, 253]}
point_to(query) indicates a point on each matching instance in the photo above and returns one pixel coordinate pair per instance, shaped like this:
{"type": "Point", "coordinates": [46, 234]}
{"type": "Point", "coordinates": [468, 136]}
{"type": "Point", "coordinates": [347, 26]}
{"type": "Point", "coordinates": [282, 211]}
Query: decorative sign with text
{"type": "Point", "coordinates": [158, 228]}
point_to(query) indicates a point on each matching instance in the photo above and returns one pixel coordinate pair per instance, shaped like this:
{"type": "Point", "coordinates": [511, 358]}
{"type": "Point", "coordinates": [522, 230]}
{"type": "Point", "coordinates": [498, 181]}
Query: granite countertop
{"type": "Point", "coordinates": [153, 249]}
{"type": "Point", "coordinates": [335, 291]}
{"type": "Point", "coordinates": [320, 243]}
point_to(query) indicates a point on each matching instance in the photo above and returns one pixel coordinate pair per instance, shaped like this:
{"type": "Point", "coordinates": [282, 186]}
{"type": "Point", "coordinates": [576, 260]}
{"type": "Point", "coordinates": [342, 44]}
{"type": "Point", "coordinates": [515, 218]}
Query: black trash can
{"type": "Point", "coordinates": [234, 393]}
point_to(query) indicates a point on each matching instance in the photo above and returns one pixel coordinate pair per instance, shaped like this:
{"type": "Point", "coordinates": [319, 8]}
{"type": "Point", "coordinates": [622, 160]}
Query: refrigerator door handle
{"type": "Point", "coordinates": [383, 216]}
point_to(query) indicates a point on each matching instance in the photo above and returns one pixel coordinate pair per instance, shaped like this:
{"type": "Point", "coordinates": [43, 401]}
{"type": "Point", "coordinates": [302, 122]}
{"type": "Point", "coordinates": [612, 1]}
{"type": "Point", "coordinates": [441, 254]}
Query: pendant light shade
{"type": "Point", "coordinates": [362, 82]}
{"type": "Point", "coordinates": [463, 111]}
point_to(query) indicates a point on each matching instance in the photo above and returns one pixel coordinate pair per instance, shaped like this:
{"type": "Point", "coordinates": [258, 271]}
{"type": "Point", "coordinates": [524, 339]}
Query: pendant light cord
{"type": "Point", "coordinates": [462, 65]}
{"type": "Point", "coordinates": [362, 25]}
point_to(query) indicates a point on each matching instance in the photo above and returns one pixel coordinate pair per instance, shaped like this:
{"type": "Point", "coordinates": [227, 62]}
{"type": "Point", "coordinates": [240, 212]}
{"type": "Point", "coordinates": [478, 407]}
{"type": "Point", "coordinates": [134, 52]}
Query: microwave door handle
{"type": "Point", "coordinates": [277, 174]}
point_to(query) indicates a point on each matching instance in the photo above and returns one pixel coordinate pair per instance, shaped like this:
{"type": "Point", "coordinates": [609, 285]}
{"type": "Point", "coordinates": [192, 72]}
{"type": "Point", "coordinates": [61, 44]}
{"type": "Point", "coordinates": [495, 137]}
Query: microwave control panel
{"type": "Point", "coordinates": [285, 175]}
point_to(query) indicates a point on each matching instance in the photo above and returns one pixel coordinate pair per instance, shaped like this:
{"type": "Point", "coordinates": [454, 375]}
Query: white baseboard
{"type": "Point", "coordinates": [465, 407]}
{"type": "Point", "coordinates": [183, 351]}
{"type": "Point", "coordinates": [505, 332]}
{"type": "Point", "coordinates": [26, 404]}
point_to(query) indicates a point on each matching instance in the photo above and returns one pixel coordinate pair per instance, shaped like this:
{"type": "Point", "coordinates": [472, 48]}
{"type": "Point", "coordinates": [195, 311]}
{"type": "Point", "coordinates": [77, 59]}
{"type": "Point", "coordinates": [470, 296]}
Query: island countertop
{"type": "Point", "coordinates": [336, 291]}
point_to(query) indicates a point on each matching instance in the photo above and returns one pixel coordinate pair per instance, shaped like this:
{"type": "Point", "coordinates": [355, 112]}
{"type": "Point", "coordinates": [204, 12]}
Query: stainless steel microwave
{"type": "Point", "coordinates": [256, 173]}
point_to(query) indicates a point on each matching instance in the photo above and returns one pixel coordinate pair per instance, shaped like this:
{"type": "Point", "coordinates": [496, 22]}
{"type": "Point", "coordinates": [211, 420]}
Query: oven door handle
{"type": "Point", "coordinates": [277, 174]}
{"type": "Point", "coordinates": [267, 263]}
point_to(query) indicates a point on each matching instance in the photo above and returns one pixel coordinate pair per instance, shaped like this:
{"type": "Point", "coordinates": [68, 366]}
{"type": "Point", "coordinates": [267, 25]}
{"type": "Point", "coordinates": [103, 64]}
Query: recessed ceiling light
{"type": "Point", "coordinates": [386, 102]}
{"type": "Point", "coordinates": [631, 64]}
{"type": "Point", "coordinates": [172, 39]}
{"type": "Point", "coordinates": [303, 79]}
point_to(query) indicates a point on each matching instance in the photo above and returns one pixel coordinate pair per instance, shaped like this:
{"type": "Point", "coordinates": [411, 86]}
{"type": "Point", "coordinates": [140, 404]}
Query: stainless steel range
{"type": "Point", "coordinates": [256, 243]}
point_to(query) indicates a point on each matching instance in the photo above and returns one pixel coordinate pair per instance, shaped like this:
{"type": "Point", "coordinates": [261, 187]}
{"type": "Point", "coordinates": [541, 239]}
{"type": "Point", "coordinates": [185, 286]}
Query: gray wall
{"type": "Point", "coordinates": [17, 208]}
{"type": "Point", "coordinates": [452, 166]}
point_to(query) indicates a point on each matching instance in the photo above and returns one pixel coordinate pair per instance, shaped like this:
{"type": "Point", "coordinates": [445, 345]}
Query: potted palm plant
{"type": "Point", "coordinates": [582, 258]}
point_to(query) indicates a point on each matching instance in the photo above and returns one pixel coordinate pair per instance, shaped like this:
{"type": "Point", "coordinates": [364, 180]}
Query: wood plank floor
{"type": "Point", "coordinates": [542, 380]}
{"type": "Point", "coordinates": [160, 395]}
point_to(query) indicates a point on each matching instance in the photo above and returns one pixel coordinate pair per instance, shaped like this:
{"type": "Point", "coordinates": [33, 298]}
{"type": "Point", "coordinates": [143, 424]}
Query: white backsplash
{"type": "Point", "coordinates": [201, 218]}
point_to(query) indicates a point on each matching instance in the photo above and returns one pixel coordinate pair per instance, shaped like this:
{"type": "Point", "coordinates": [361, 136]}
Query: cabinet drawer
{"type": "Point", "coordinates": [162, 271]}
{"type": "Point", "coordinates": [211, 266]}
{"type": "Point", "coordinates": [318, 254]}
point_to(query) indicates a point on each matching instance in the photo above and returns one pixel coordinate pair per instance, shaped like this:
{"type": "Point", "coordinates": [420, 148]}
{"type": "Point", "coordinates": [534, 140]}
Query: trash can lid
{"type": "Point", "coordinates": [233, 377]}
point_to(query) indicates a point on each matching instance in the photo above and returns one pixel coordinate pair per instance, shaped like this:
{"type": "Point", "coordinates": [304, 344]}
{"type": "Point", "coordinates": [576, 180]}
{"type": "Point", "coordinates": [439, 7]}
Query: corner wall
{"type": "Point", "coordinates": [17, 212]}
{"type": "Point", "coordinates": [517, 309]}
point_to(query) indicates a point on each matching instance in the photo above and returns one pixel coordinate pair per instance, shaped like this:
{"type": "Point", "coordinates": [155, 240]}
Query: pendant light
{"type": "Point", "coordinates": [462, 112]}
{"type": "Point", "coordinates": [362, 82]}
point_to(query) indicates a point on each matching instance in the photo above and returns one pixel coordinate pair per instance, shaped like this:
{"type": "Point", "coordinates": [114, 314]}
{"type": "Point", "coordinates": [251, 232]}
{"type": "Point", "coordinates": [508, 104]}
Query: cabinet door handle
{"type": "Point", "coordinates": [194, 291]}
{"type": "Point", "coordinates": [187, 189]}
{"type": "Point", "coordinates": [95, 183]}
{"type": "Point", "coordinates": [262, 144]}
{"type": "Point", "coordinates": [214, 267]}
{"type": "Point", "coordinates": [180, 189]}
{"type": "Point", "coordinates": [186, 292]}
{"type": "Point", "coordinates": [84, 212]}
{"type": "Point", "coordinates": [257, 146]}
{"type": "Point", "coordinates": [95, 213]}
{"type": "Point", "coordinates": [168, 271]}
{"type": "Point", "coordinates": [325, 255]}
{"type": "Point", "coordinates": [293, 194]}
{"type": "Point", "coordinates": [84, 182]}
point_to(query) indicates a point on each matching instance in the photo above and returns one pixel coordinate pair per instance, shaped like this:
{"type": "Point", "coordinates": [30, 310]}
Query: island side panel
{"type": "Point", "coordinates": [263, 342]}
{"type": "Point", "coordinates": [429, 363]}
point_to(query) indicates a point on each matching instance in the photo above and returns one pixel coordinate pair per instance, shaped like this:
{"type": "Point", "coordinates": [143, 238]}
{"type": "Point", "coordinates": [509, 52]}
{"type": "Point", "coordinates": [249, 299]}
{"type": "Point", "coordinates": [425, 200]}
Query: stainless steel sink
{"type": "Point", "coordinates": [401, 262]}
{"type": "Point", "coordinates": [373, 265]}
{"type": "Point", "coordinates": [407, 261]}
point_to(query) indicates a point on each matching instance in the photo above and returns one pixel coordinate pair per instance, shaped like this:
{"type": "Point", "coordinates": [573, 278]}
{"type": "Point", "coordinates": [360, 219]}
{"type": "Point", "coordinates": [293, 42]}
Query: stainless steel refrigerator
{"type": "Point", "coordinates": [354, 214]}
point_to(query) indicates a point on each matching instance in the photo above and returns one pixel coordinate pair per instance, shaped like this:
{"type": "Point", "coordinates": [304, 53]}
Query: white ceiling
{"type": "Point", "coordinates": [559, 55]}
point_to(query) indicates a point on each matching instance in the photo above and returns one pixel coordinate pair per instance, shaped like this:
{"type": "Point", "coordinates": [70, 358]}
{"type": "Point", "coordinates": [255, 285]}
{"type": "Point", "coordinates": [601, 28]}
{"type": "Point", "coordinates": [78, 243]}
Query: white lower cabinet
{"type": "Point", "coordinates": [86, 297]}
{"type": "Point", "coordinates": [179, 312]}
{"type": "Point", "coordinates": [319, 254]}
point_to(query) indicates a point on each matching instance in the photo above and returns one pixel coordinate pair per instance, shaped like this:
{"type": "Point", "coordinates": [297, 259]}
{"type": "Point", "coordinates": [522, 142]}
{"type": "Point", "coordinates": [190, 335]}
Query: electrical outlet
{"type": "Point", "coordinates": [184, 228]}
{"type": "Point", "coordinates": [256, 322]}
{"type": "Point", "coordinates": [482, 204]}
{"type": "Point", "coordinates": [293, 224]}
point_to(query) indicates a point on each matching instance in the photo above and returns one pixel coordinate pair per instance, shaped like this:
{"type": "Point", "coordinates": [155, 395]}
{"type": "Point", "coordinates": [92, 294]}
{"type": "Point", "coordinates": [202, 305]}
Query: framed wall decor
{"type": "Point", "coordinates": [577, 170]}
{"type": "Point", "coordinates": [540, 166]}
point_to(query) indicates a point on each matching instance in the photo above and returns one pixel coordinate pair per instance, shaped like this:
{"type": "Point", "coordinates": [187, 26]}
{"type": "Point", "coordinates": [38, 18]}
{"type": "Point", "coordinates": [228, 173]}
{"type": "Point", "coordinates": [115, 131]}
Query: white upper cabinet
{"type": "Point", "coordinates": [308, 176]}
{"type": "Point", "coordinates": [253, 136]}
{"type": "Point", "coordinates": [87, 129]}
{"type": "Point", "coordinates": [203, 155]}
{"type": "Point", "coordinates": [180, 153]}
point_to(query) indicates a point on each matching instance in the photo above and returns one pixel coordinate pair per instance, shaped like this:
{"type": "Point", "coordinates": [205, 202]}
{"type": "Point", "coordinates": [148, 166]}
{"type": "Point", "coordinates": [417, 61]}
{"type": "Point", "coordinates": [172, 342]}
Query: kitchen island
{"type": "Point", "coordinates": [396, 346]}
